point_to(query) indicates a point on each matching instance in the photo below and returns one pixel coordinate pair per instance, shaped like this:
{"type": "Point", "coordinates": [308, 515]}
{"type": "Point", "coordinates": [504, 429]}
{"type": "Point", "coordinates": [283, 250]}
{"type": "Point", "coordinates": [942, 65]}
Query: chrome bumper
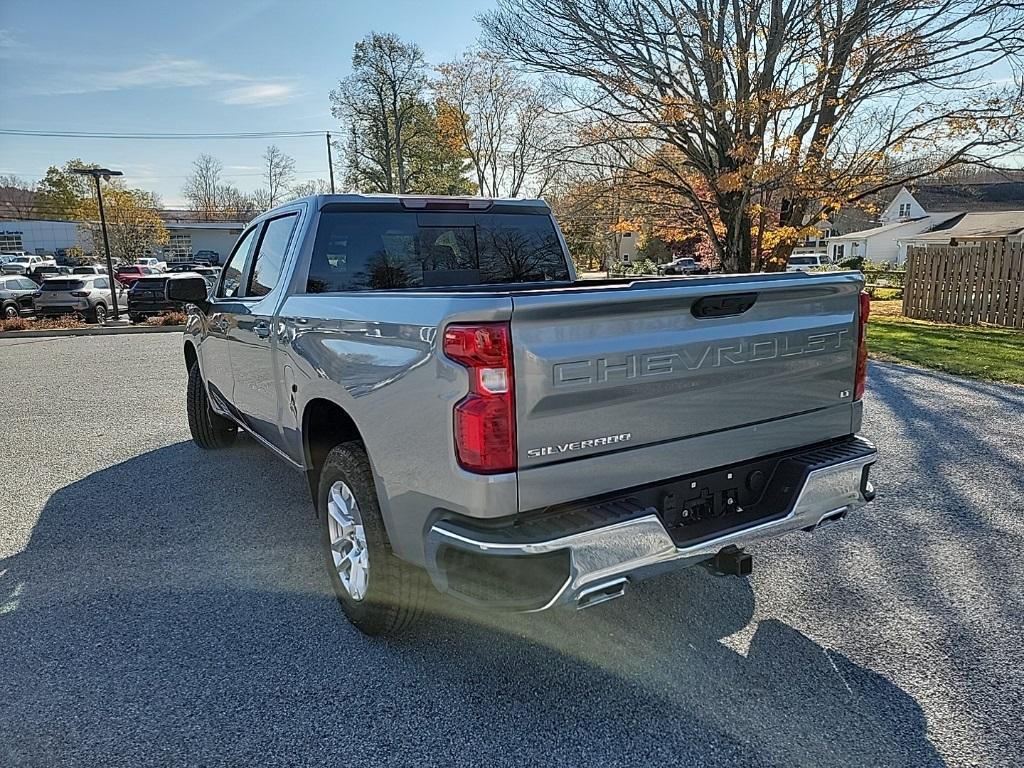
{"type": "Point", "coordinates": [602, 560]}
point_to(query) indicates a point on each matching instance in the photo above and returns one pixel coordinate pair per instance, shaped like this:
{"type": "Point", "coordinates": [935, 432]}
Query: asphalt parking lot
{"type": "Point", "coordinates": [162, 606]}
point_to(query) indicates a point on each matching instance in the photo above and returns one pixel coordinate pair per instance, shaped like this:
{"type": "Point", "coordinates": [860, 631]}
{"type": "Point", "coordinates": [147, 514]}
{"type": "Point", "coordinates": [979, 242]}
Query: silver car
{"type": "Point", "coordinates": [86, 296]}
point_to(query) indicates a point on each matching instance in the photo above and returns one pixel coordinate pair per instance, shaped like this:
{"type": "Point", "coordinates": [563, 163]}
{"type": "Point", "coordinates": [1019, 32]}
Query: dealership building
{"type": "Point", "coordinates": [186, 237]}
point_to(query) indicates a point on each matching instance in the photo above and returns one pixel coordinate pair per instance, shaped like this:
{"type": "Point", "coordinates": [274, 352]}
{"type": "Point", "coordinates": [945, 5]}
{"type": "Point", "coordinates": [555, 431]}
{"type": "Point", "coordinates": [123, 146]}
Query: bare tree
{"type": "Point", "coordinates": [499, 118]}
{"type": "Point", "coordinates": [203, 188]}
{"type": "Point", "coordinates": [280, 171]}
{"type": "Point", "coordinates": [311, 187]}
{"type": "Point", "coordinates": [18, 198]}
{"type": "Point", "coordinates": [784, 109]}
{"type": "Point", "coordinates": [235, 205]}
{"type": "Point", "coordinates": [380, 102]}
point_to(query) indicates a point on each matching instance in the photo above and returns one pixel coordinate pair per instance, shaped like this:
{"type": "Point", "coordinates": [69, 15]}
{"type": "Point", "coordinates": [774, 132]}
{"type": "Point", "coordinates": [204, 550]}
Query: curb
{"type": "Point", "coordinates": [100, 331]}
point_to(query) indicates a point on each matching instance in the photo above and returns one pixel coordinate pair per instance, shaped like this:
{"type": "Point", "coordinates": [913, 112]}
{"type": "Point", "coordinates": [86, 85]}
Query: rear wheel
{"type": "Point", "coordinates": [379, 593]}
{"type": "Point", "coordinates": [210, 431]}
{"type": "Point", "coordinates": [99, 313]}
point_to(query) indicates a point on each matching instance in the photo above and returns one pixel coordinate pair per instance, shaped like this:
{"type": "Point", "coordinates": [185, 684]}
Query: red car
{"type": "Point", "coordinates": [127, 274]}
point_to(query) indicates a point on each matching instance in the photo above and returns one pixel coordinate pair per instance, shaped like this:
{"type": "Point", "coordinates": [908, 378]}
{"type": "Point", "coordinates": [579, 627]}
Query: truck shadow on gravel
{"type": "Point", "coordinates": [172, 609]}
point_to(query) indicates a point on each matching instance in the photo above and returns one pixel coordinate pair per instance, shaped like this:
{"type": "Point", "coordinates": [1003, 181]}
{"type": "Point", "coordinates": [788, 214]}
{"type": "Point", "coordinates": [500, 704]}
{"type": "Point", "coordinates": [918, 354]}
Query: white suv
{"type": "Point", "coordinates": [149, 261]}
{"type": "Point", "coordinates": [805, 262]}
{"type": "Point", "coordinates": [86, 296]}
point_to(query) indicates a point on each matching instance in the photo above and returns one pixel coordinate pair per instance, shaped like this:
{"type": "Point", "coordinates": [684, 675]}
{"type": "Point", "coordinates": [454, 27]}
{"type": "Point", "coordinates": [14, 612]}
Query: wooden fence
{"type": "Point", "coordinates": [966, 284]}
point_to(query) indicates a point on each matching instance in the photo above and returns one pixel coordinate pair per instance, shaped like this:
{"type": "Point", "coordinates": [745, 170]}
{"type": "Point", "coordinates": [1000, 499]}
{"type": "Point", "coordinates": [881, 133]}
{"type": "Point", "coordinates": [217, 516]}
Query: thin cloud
{"type": "Point", "coordinates": [9, 44]}
{"type": "Point", "coordinates": [165, 72]}
{"type": "Point", "coordinates": [259, 95]}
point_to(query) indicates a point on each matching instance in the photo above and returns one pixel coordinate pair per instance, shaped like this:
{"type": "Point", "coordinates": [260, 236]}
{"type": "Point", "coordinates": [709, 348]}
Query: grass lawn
{"type": "Point", "coordinates": [968, 350]}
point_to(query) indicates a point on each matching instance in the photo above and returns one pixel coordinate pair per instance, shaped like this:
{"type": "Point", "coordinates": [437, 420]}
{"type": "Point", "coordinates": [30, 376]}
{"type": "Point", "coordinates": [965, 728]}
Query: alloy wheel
{"type": "Point", "coordinates": [348, 540]}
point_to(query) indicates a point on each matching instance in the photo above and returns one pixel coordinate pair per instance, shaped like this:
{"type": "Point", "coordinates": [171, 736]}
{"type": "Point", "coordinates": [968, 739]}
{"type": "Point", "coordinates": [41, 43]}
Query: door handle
{"type": "Point", "coordinates": [262, 329]}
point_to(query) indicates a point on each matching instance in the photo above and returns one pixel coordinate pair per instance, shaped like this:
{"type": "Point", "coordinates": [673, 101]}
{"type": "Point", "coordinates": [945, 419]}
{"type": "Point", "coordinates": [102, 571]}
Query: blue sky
{"type": "Point", "coordinates": [193, 67]}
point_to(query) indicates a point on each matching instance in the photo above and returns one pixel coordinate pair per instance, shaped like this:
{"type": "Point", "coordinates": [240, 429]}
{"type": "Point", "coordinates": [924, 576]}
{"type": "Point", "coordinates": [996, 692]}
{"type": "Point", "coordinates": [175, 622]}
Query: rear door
{"type": "Point", "coordinates": [225, 304]}
{"type": "Point", "coordinates": [251, 330]}
{"type": "Point", "coordinates": [612, 370]}
{"type": "Point", "coordinates": [25, 291]}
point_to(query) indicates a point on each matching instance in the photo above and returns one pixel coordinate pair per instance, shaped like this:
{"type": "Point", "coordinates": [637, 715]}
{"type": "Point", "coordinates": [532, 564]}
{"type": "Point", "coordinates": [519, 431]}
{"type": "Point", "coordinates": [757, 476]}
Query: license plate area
{"type": "Point", "coordinates": [710, 504]}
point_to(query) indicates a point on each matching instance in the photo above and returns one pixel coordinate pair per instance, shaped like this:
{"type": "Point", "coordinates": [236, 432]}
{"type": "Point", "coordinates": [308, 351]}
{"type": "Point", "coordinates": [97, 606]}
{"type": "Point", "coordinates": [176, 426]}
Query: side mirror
{"type": "Point", "coordinates": [189, 289]}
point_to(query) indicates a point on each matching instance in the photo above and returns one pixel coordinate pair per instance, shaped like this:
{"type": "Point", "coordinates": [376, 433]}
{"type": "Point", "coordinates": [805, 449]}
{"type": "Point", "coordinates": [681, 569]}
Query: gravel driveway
{"type": "Point", "coordinates": [163, 606]}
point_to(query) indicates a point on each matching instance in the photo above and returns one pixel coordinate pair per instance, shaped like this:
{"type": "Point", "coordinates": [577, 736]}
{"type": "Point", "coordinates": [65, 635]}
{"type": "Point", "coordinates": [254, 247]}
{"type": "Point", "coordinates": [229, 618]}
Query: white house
{"type": "Point", "coordinates": [901, 220]}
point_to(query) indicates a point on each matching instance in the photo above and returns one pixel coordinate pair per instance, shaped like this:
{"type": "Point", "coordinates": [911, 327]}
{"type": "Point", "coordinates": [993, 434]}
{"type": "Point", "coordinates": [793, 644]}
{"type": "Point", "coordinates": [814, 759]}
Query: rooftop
{"type": "Point", "coordinates": [991, 196]}
{"type": "Point", "coordinates": [976, 226]}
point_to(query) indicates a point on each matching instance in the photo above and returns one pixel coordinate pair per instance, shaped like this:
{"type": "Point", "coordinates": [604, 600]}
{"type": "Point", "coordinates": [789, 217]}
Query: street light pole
{"type": "Point", "coordinates": [105, 173]}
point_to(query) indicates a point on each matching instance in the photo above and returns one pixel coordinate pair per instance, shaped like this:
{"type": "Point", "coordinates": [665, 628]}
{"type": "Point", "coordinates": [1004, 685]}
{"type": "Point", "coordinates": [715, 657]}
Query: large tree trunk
{"type": "Point", "coordinates": [738, 244]}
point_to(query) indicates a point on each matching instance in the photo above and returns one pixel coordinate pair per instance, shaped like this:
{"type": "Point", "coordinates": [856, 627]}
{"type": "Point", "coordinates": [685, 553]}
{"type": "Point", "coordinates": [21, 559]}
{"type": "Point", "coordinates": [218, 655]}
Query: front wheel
{"type": "Point", "coordinates": [210, 431]}
{"type": "Point", "coordinates": [379, 593]}
{"type": "Point", "coordinates": [11, 311]}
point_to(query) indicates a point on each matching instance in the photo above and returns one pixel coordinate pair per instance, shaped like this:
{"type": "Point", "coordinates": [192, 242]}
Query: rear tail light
{"type": "Point", "coordinates": [862, 346]}
{"type": "Point", "coordinates": [80, 294]}
{"type": "Point", "coordinates": [485, 419]}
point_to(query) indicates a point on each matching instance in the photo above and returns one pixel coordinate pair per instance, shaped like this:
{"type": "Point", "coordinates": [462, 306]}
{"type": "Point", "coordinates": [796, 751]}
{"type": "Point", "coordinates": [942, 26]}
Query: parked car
{"type": "Point", "coordinates": [85, 296]}
{"type": "Point", "coordinates": [24, 264]}
{"type": "Point", "coordinates": [213, 257]}
{"type": "Point", "coordinates": [682, 266]}
{"type": "Point", "coordinates": [183, 266]}
{"type": "Point", "coordinates": [126, 274]}
{"type": "Point", "coordinates": [152, 263]}
{"type": "Point", "coordinates": [17, 296]}
{"type": "Point", "coordinates": [148, 297]}
{"type": "Point", "coordinates": [805, 262]}
{"type": "Point", "coordinates": [38, 274]}
{"type": "Point", "coordinates": [7, 256]}
{"type": "Point", "coordinates": [455, 414]}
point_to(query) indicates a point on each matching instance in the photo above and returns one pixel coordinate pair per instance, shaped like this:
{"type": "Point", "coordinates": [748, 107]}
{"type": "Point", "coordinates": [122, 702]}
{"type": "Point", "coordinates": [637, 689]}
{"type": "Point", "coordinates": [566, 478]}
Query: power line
{"type": "Point", "coordinates": [159, 136]}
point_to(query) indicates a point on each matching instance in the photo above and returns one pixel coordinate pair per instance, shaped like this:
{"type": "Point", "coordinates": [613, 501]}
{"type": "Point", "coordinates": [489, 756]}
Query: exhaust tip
{"type": "Point", "coordinates": [601, 593]}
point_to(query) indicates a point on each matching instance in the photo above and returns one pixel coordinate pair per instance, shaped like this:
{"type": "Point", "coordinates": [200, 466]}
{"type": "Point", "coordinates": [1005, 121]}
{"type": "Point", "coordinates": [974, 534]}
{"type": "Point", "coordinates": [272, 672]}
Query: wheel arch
{"type": "Point", "coordinates": [191, 355]}
{"type": "Point", "coordinates": [325, 424]}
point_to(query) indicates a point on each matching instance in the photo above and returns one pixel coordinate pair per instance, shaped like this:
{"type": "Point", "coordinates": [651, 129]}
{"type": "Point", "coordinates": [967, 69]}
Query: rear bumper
{"type": "Point", "coordinates": [572, 560]}
{"type": "Point", "coordinates": [59, 310]}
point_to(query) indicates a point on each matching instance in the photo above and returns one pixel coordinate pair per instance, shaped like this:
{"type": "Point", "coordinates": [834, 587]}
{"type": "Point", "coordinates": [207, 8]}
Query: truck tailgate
{"type": "Point", "coordinates": [622, 367]}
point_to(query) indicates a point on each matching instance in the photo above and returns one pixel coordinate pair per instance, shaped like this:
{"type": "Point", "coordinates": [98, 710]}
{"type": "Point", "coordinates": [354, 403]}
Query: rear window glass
{"type": "Point", "coordinates": [62, 285]}
{"type": "Point", "coordinates": [802, 260]}
{"type": "Point", "coordinates": [149, 284]}
{"type": "Point", "coordinates": [379, 251]}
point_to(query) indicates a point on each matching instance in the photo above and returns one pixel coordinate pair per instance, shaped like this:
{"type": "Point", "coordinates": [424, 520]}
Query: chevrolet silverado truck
{"type": "Point", "coordinates": [474, 420]}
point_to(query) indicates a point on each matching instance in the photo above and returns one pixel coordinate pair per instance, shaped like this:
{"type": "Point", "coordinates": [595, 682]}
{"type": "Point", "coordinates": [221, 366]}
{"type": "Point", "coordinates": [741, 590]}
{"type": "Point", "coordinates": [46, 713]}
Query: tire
{"type": "Point", "coordinates": [11, 311]}
{"type": "Point", "coordinates": [135, 318]}
{"type": "Point", "coordinates": [395, 592]}
{"type": "Point", "coordinates": [210, 431]}
{"type": "Point", "coordinates": [99, 313]}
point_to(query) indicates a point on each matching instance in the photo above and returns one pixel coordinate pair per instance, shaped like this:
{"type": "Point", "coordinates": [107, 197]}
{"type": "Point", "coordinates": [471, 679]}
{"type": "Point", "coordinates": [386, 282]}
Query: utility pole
{"type": "Point", "coordinates": [106, 173]}
{"type": "Point", "coordinates": [330, 162]}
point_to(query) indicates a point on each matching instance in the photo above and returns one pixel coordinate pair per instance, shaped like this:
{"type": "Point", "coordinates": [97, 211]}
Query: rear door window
{"type": "Point", "coordinates": [270, 253]}
{"type": "Point", "coordinates": [381, 250]}
{"type": "Point", "coordinates": [62, 285]}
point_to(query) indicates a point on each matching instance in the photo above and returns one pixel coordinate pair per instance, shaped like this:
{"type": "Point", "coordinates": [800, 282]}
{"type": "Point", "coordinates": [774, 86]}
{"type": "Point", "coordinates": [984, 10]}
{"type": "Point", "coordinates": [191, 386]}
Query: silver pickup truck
{"type": "Point", "coordinates": [465, 409]}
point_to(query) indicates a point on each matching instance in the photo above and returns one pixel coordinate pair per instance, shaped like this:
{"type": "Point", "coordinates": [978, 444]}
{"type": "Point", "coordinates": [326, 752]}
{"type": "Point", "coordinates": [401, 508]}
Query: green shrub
{"type": "Point", "coordinates": [635, 268]}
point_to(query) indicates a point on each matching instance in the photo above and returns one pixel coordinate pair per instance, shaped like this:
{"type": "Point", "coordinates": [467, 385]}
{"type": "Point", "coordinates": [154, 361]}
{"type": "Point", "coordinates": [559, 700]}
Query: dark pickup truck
{"type": "Point", "coordinates": [465, 409]}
